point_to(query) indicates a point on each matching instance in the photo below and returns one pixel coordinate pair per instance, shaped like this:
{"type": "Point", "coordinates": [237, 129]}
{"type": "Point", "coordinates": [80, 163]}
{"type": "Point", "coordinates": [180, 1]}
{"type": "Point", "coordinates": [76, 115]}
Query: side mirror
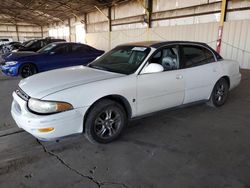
{"type": "Point", "coordinates": [152, 68]}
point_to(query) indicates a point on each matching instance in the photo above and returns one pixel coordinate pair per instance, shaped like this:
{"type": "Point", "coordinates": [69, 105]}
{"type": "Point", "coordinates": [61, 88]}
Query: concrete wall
{"type": "Point", "coordinates": [21, 31]}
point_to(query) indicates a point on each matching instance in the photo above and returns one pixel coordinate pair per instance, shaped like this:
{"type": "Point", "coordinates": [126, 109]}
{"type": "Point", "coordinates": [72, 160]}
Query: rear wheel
{"type": "Point", "coordinates": [105, 121]}
{"type": "Point", "coordinates": [27, 70]}
{"type": "Point", "coordinates": [220, 93]}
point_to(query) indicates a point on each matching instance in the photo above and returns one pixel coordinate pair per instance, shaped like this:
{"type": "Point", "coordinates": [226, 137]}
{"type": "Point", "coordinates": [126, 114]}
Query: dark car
{"type": "Point", "coordinates": [2, 43]}
{"type": "Point", "coordinates": [27, 41]}
{"type": "Point", "coordinates": [53, 56]}
{"type": "Point", "coordinates": [15, 46]}
{"type": "Point", "coordinates": [35, 45]}
{"type": "Point", "coordinates": [11, 46]}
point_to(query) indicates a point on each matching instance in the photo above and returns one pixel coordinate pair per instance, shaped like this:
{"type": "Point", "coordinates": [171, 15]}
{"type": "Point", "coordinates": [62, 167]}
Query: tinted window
{"type": "Point", "coordinates": [77, 48]}
{"type": "Point", "coordinates": [167, 57]}
{"type": "Point", "coordinates": [47, 48]}
{"type": "Point", "coordinates": [36, 45]}
{"type": "Point", "coordinates": [62, 49]}
{"type": "Point", "coordinates": [196, 55]}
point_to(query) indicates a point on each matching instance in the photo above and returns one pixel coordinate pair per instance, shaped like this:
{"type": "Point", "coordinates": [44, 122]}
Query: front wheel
{"type": "Point", "coordinates": [219, 94]}
{"type": "Point", "coordinates": [27, 70]}
{"type": "Point", "coordinates": [105, 121]}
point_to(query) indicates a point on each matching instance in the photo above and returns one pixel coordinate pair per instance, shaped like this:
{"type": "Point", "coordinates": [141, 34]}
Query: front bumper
{"type": "Point", "coordinates": [64, 123]}
{"type": "Point", "coordinates": [9, 70]}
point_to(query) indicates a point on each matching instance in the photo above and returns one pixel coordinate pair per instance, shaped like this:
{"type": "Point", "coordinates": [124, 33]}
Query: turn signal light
{"type": "Point", "coordinates": [45, 130]}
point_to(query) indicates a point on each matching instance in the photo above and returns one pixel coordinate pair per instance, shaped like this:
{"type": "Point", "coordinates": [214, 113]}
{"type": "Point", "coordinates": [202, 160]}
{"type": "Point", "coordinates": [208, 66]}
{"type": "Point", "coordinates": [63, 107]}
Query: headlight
{"type": "Point", "coordinates": [48, 107]}
{"type": "Point", "coordinates": [11, 63]}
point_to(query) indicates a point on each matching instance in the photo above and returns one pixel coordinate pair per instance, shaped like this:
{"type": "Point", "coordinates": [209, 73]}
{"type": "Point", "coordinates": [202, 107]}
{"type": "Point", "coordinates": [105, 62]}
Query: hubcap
{"type": "Point", "coordinates": [27, 70]}
{"type": "Point", "coordinates": [220, 93]}
{"type": "Point", "coordinates": [107, 124]}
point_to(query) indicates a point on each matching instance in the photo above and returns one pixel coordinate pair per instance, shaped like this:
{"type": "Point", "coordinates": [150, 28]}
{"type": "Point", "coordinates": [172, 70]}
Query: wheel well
{"type": "Point", "coordinates": [117, 98]}
{"type": "Point", "coordinates": [26, 64]}
{"type": "Point", "coordinates": [227, 79]}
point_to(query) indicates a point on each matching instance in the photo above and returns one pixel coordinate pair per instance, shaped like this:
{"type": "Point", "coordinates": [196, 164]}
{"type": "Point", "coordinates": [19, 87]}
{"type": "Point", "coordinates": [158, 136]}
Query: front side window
{"type": "Point", "coordinates": [167, 57]}
{"type": "Point", "coordinates": [122, 59]}
{"type": "Point", "coordinates": [47, 48]}
{"type": "Point", "coordinates": [195, 56]}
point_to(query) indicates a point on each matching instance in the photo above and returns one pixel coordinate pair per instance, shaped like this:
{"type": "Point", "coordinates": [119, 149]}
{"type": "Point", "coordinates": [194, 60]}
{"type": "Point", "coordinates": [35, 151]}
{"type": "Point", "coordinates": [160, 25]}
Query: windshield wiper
{"type": "Point", "coordinates": [97, 67]}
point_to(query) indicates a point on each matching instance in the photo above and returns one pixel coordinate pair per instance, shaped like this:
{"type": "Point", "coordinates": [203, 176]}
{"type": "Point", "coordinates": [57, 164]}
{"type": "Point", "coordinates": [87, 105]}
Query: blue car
{"type": "Point", "coordinates": [53, 56]}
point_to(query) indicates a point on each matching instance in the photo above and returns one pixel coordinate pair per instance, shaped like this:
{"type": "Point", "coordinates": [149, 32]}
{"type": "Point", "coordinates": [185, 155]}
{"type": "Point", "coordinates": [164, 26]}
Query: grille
{"type": "Point", "coordinates": [22, 94]}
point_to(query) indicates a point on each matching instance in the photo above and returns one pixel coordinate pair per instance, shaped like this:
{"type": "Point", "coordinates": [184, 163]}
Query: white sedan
{"type": "Point", "coordinates": [129, 81]}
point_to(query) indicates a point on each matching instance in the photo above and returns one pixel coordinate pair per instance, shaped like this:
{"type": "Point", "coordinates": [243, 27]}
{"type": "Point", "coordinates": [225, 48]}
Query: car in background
{"type": "Point", "coordinates": [129, 81]}
{"type": "Point", "coordinates": [35, 45]}
{"type": "Point", "coordinates": [11, 46]}
{"type": "Point", "coordinates": [16, 47]}
{"type": "Point", "coordinates": [4, 41]}
{"type": "Point", "coordinates": [53, 56]}
{"type": "Point", "coordinates": [24, 43]}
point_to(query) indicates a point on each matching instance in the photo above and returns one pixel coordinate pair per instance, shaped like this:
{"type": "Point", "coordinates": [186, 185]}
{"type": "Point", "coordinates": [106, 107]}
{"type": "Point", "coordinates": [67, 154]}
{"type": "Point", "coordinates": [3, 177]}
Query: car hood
{"type": "Point", "coordinates": [43, 84]}
{"type": "Point", "coordinates": [16, 55]}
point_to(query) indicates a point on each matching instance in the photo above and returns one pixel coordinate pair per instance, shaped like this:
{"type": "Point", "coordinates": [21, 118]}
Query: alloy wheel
{"type": "Point", "coordinates": [107, 123]}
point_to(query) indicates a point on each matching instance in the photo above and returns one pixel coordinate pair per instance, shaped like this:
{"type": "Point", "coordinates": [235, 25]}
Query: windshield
{"type": "Point", "coordinates": [122, 59]}
{"type": "Point", "coordinates": [25, 43]}
{"type": "Point", "coordinates": [46, 48]}
{"type": "Point", "coordinates": [30, 43]}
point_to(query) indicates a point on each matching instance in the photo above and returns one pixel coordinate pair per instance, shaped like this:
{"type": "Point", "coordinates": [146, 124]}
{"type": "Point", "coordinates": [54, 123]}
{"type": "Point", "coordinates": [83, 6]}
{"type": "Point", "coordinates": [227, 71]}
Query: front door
{"type": "Point", "coordinates": [158, 91]}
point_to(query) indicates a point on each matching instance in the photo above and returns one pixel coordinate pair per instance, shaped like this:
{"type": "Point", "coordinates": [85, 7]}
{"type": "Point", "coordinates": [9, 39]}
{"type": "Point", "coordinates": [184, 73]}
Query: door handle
{"type": "Point", "coordinates": [178, 77]}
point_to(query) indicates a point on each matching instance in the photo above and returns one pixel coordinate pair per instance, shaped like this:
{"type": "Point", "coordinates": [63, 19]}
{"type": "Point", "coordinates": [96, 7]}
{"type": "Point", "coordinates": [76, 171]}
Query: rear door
{"type": "Point", "coordinates": [82, 54]}
{"type": "Point", "coordinates": [200, 72]}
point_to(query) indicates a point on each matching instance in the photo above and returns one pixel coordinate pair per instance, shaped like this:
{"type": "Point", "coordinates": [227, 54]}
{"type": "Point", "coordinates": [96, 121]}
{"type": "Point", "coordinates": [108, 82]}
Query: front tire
{"type": "Point", "coordinates": [27, 70]}
{"type": "Point", "coordinates": [105, 121]}
{"type": "Point", "coordinates": [219, 94]}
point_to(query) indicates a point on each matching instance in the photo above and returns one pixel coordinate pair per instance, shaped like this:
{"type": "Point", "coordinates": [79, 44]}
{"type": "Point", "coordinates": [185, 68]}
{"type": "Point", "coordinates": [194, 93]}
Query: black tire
{"type": "Point", "coordinates": [219, 94]}
{"type": "Point", "coordinates": [105, 121]}
{"type": "Point", "coordinates": [27, 70]}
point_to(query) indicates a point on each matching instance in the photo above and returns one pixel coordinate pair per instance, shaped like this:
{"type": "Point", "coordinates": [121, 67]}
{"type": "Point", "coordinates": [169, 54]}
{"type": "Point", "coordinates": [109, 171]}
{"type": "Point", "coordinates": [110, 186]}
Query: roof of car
{"type": "Point", "coordinates": [65, 42]}
{"type": "Point", "coordinates": [48, 39]}
{"type": "Point", "coordinates": [158, 44]}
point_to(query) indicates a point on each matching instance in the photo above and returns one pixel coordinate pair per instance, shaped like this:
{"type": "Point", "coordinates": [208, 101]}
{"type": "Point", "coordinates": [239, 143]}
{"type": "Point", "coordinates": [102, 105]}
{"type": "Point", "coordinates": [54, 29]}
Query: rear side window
{"type": "Point", "coordinates": [196, 55]}
{"type": "Point", "coordinates": [62, 49]}
{"type": "Point", "coordinates": [38, 44]}
{"type": "Point", "coordinates": [79, 49]}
